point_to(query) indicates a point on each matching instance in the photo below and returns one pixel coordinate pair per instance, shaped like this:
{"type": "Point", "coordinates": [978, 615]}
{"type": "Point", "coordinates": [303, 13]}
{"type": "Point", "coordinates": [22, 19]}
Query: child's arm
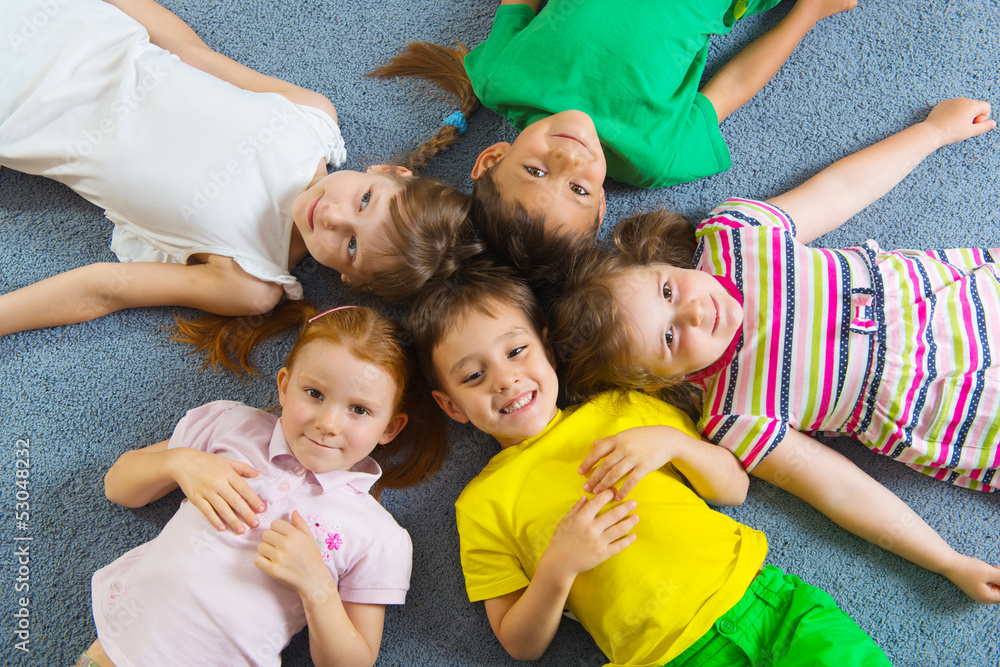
{"type": "Point", "coordinates": [89, 292]}
{"type": "Point", "coordinates": [714, 473]}
{"type": "Point", "coordinates": [214, 484]}
{"type": "Point", "coordinates": [837, 193]}
{"type": "Point", "coordinates": [531, 3]}
{"type": "Point", "coordinates": [340, 633]}
{"type": "Point", "coordinates": [742, 77]}
{"type": "Point", "coordinates": [169, 32]}
{"type": "Point", "coordinates": [839, 489]}
{"type": "Point", "coordinates": [526, 621]}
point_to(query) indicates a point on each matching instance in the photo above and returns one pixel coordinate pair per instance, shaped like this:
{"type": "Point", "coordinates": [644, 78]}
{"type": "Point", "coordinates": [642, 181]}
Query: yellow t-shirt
{"type": "Point", "coordinates": [643, 606]}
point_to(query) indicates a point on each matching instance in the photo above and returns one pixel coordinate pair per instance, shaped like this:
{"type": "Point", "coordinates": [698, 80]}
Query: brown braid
{"type": "Point", "coordinates": [442, 66]}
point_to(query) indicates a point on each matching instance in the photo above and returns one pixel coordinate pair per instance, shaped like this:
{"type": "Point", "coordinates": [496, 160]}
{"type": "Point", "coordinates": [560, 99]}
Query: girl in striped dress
{"type": "Point", "coordinates": [900, 350]}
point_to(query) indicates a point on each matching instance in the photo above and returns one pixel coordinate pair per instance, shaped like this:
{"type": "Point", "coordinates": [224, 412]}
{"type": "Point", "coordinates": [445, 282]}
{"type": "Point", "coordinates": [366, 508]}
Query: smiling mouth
{"type": "Point", "coordinates": [518, 403]}
{"type": "Point", "coordinates": [310, 211]}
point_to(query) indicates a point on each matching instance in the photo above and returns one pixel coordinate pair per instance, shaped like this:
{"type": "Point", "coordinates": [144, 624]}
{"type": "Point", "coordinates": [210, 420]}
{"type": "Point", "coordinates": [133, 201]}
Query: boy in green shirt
{"type": "Point", "coordinates": [683, 584]}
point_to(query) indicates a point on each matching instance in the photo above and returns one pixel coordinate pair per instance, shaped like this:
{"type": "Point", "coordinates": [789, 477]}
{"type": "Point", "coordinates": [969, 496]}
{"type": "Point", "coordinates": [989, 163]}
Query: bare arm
{"type": "Point", "coordinates": [742, 77]}
{"type": "Point", "coordinates": [89, 292]}
{"type": "Point", "coordinates": [714, 473]}
{"type": "Point", "coordinates": [837, 193]}
{"type": "Point", "coordinates": [214, 484]}
{"type": "Point", "coordinates": [340, 633]}
{"type": "Point", "coordinates": [839, 489]}
{"type": "Point", "coordinates": [534, 4]}
{"type": "Point", "coordinates": [526, 621]}
{"type": "Point", "coordinates": [168, 31]}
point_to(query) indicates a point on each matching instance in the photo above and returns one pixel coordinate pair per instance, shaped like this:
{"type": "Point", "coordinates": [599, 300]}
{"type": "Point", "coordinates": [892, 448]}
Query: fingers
{"type": "Point", "coordinates": [618, 516]}
{"type": "Point", "coordinates": [601, 449]}
{"type": "Point", "coordinates": [244, 469]}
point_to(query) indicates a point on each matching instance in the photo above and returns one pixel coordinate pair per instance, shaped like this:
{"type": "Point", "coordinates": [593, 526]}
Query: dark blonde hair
{"type": "Point", "coordinates": [419, 449]}
{"type": "Point", "coordinates": [478, 286]}
{"type": "Point", "coordinates": [591, 336]}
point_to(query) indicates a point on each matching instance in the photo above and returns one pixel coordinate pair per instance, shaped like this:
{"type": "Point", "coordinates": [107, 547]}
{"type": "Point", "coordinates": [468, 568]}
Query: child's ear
{"type": "Point", "coordinates": [450, 407]}
{"type": "Point", "coordinates": [390, 169]}
{"type": "Point", "coordinates": [488, 158]}
{"type": "Point", "coordinates": [392, 430]}
{"type": "Point", "coordinates": [282, 386]}
{"type": "Point", "coordinates": [602, 209]}
{"type": "Point", "coordinates": [344, 279]}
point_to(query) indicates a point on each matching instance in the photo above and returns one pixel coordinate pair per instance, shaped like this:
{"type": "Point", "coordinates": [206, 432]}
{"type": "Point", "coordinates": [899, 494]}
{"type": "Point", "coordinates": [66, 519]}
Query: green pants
{"type": "Point", "coordinates": [783, 621]}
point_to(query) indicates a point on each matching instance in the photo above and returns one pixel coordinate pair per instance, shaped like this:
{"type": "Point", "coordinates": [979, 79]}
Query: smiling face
{"type": "Point", "coordinates": [683, 319]}
{"type": "Point", "coordinates": [340, 219]}
{"type": "Point", "coordinates": [555, 169]}
{"type": "Point", "coordinates": [496, 373]}
{"type": "Point", "coordinates": [335, 408]}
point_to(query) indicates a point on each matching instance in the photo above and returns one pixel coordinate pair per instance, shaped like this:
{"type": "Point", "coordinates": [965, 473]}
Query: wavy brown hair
{"type": "Point", "coordinates": [589, 332]}
{"type": "Point", "coordinates": [478, 286]}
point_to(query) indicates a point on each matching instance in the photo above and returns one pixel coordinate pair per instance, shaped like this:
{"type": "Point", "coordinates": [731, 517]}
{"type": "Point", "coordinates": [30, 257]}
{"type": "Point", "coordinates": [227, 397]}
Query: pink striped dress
{"type": "Point", "coordinates": [900, 350]}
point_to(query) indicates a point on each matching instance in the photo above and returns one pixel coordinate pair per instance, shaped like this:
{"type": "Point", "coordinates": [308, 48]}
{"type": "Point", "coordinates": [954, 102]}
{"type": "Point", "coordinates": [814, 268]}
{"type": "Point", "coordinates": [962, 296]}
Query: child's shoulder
{"type": "Point", "coordinates": [633, 406]}
{"type": "Point", "coordinates": [736, 213]}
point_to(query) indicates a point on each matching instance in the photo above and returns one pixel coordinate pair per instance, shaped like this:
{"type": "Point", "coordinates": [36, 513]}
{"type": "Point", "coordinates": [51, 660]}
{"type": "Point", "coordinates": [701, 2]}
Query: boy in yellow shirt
{"type": "Point", "coordinates": [683, 586]}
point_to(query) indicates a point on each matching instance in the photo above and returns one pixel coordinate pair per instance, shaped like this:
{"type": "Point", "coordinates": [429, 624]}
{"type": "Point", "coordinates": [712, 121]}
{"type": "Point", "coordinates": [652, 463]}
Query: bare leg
{"type": "Point", "coordinates": [743, 76]}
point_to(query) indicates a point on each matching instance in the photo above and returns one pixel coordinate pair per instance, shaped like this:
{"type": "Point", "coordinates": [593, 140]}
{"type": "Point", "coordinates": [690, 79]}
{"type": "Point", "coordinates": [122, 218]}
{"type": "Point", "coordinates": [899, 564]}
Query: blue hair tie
{"type": "Point", "coordinates": [457, 121]}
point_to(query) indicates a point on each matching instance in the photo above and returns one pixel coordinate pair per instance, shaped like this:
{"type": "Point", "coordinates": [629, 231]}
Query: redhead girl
{"type": "Point", "coordinates": [897, 349]}
{"type": "Point", "coordinates": [215, 175]}
{"type": "Point", "coordinates": [279, 529]}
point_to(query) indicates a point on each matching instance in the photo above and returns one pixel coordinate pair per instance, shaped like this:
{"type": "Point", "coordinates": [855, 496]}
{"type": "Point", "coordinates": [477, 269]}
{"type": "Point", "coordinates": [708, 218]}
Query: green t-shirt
{"type": "Point", "coordinates": [645, 605]}
{"type": "Point", "coordinates": [634, 66]}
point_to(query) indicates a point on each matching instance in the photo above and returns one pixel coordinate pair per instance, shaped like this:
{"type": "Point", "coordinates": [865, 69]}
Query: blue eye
{"type": "Point", "coordinates": [352, 247]}
{"type": "Point", "coordinates": [365, 198]}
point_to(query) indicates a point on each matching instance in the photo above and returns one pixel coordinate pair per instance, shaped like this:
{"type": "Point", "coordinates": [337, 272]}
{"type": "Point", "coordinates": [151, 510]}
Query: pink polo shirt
{"type": "Point", "coordinates": [193, 595]}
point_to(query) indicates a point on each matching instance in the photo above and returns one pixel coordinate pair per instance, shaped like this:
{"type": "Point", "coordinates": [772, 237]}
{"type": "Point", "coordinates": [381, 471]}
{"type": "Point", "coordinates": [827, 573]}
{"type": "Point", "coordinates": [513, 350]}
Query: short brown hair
{"type": "Point", "coordinates": [479, 285]}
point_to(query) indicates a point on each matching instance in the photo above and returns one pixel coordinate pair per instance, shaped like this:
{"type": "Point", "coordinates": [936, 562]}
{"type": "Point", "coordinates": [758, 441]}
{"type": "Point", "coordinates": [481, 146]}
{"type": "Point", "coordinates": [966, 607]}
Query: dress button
{"type": "Point", "coordinates": [299, 470]}
{"type": "Point", "coordinates": [727, 627]}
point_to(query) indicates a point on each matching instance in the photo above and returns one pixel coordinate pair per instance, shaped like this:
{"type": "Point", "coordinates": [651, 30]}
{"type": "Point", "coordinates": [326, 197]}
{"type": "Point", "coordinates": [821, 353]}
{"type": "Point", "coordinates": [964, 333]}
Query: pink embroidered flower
{"type": "Point", "coordinates": [333, 540]}
{"type": "Point", "coordinates": [326, 535]}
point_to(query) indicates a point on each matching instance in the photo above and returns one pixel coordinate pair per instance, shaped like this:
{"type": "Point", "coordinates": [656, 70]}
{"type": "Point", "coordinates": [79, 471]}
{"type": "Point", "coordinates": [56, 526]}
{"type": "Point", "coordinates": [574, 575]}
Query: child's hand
{"type": "Point", "coordinates": [959, 119]}
{"type": "Point", "coordinates": [979, 580]}
{"type": "Point", "coordinates": [635, 452]}
{"type": "Point", "coordinates": [214, 484]}
{"type": "Point", "coordinates": [583, 540]}
{"type": "Point", "coordinates": [289, 554]}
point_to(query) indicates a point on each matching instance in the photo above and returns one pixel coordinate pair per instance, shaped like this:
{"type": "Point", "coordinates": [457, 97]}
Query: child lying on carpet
{"type": "Point", "coordinates": [900, 350]}
{"type": "Point", "coordinates": [215, 175]}
{"type": "Point", "coordinates": [685, 585]}
{"type": "Point", "coordinates": [601, 87]}
{"type": "Point", "coordinates": [331, 557]}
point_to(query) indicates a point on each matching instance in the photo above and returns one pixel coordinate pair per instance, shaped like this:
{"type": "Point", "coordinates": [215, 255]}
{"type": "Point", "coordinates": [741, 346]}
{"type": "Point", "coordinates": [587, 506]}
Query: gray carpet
{"type": "Point", "coordinates": [81, 395]}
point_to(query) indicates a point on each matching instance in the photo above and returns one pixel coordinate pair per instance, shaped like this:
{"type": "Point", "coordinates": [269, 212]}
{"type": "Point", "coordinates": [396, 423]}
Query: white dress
{"type": "Point", "coordinates": [181, 162]}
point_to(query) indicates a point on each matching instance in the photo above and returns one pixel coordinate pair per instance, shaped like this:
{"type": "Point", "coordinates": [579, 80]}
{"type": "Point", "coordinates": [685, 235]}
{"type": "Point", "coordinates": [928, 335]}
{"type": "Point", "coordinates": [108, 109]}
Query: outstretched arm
{"type": "Point", "coordinates": [742, 77]}
{"type": "Point", "coordinates": [169, 32]}
{"type": "Point", "coordinates": [219, 286]}
{"type": "Point", "coordinates": [837, 193]}
{"type": "Point", "coordinates": [839, 489]}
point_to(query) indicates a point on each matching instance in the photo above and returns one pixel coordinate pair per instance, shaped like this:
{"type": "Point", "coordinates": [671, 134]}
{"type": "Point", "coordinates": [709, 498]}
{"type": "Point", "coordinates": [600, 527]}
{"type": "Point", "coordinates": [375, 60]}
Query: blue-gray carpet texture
{"type": "Point", "coordinates": [81, 395]}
